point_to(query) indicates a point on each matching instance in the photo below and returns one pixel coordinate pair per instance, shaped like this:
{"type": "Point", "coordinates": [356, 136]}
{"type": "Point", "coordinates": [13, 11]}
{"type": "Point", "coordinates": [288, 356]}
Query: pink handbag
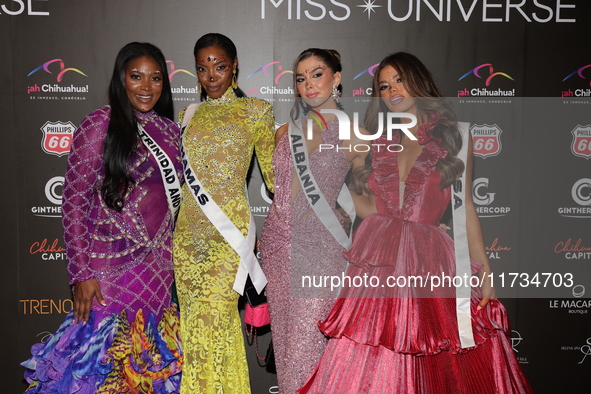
{"type": "Point", "coordinates": [257, 316]}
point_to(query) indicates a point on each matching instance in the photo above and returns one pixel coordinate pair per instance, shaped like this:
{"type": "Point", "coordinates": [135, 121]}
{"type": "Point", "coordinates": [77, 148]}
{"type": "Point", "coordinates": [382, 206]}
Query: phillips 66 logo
{"type": "Point", "coordinates": [57, 137]}
{"type": "Point", "coordinates": [581, 145]}
{"type": "Point", "coordinates": [486, 139]}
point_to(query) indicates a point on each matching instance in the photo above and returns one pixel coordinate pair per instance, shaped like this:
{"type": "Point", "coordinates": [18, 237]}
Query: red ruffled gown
{"type": "Point", "coordinates": [401, 339]}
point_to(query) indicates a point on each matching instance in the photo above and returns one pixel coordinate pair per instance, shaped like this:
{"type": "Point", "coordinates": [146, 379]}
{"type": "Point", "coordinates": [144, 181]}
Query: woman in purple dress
{"type": "Point", "coordinates": [402, 337]}
{"type": "Point", "coordinates": [295, 243]}
{"type": "Point", "coordinates": [120, 193]}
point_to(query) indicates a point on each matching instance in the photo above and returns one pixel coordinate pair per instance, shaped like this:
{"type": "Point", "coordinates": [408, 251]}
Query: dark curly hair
{"type": "Point", "coordinates": [419, 83]}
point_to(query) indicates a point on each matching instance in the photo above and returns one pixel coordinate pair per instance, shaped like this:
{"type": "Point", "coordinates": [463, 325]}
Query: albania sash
{"type": "Point", "coordinates": [315, 197]}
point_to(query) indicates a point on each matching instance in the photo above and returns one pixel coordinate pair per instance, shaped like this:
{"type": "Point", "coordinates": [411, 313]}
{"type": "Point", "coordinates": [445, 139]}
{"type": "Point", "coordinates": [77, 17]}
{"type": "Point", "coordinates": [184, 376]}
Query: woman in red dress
{"type": "Point", "coordinates": [395, 336]}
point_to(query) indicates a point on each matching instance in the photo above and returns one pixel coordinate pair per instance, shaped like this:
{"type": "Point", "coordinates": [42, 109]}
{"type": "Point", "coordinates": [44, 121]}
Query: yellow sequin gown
{"type": "Point", "coordinates": [219, 141]}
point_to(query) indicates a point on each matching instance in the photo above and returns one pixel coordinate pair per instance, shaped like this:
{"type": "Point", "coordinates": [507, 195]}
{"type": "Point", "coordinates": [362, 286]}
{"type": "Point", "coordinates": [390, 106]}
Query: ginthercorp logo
{"type": "Point", "coordinates": [581, 146]}
{"type": "Point", "coordinates": [57, 137]}
{"type": "Point", "coordinates": [191, 89]}
{"type": "Point", "coordinates": [401, 11]}
{"type": "Point", "coordinates": [581, 192]}
{"type": "Point", "coordinates": [485, 199]}
{"type": "Point", "coordinates": [361, 91]}
{"type": "Point", "coordinates": [486, 73]}
{"type": "Point", "coordinates": [269, 70]}
{"type": "Point", "coordinates": [48, 91]}
{"type": "Point", "coordinates": [581, 195]}
{"type": "Point", "coordinates": [580, 76]}
{"type": "Point", "coordinates": [53, 192]}
{"type": "Point", "coordinates": [262, 210]}
{"type": "Point", "coordinates": [486, 139]}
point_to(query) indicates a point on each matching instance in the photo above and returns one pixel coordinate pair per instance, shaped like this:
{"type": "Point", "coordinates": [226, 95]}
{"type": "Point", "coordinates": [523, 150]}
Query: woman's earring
{"type": "Point", "coordinates": [336, 94]}
{"type": "Point", "coordinates": [234, 83]}
{"type": "Point", "coordinates": [199, 87]}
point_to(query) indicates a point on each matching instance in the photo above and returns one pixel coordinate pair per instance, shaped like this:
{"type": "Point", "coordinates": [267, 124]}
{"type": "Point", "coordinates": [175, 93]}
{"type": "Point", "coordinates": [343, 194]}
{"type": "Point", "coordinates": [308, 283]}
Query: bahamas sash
{"type": "Point", "coordinates": [172, 184]}
{"type": "Point", "coordinates": [463, 269]}
{"type": "Point", "coordinates": [244, 247]}
{"type": "Point", "coordinates": [301, 164]}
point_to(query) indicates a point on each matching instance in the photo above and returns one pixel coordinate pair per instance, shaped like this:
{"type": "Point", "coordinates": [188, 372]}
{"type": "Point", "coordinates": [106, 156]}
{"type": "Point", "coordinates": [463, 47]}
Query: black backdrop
{"type": "Point", "coordinates": [517, 67]}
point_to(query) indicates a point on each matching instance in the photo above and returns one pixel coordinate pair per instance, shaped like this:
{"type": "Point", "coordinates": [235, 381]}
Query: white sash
{"type": "Point", "coordinates": [244, 247]}
{"type": "Point", "coordinates": [463, 268]}
{"type": "Point", "coordinates": [301, 163]}
{"type": "Point", "coordinates": [172, 184]}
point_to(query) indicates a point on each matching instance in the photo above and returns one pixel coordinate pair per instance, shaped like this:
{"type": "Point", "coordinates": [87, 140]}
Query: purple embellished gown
{"type": "Point", "coordinates": [295, 243]}
{"type": "Point", "coordinates": [131, 344]}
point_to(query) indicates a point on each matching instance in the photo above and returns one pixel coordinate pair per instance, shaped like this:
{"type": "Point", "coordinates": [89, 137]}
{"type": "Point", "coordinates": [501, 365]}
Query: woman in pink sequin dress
{"type": "Point", "coordinates": [388, 340]}
{"type": "Point", "coordinates": [123, 334]}
{"type": "Point", "coordinates": [294, 241]}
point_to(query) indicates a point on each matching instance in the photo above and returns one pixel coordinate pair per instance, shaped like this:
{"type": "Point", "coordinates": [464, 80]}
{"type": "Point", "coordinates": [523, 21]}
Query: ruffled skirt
{"type": "Point", "coordinates": [115, 357]}
{"type": "Point", "coordinates": [404, 339]}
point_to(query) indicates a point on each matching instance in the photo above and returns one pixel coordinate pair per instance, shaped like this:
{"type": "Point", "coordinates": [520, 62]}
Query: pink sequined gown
{"type": "Point", "coordinates": [295, 243]}
{"type": "Point", "coordinates": [381, 344]}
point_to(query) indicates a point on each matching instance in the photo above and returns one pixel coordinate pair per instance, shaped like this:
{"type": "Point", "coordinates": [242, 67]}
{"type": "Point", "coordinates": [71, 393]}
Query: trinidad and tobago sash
{"type": "Point", "coordinates": [172, 184]}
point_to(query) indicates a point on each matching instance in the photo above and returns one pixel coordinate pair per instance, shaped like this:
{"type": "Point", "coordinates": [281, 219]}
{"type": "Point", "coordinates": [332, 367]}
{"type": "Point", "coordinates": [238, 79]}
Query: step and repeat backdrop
{"type": "Point", "coordinates": [518, 70]}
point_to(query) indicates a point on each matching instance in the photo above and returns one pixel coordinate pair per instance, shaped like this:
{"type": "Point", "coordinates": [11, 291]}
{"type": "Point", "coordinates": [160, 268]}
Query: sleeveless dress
{"type": "Point", "coordinates": [219, 142]}
{"type": "Point", "coordinates": [295, 243]}
{"type": "Point", "coordinates": [388, 340]}
{"type": "Point", "coordinates": [132, 344]}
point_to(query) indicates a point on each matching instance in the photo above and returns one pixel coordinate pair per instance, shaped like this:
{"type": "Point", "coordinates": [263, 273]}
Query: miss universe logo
{"type": "Point", "coordinates": [411, 10]}
{"type": "Point", "coordinates": [19, 7]}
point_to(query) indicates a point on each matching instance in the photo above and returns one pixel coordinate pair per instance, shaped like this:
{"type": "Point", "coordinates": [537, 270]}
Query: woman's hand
{"type": "Point", "coordinates": [84, 293]}
{"type": "Point", "coordinates": [488, 291]}
{"type": "Point", "coordinates": [345, 220]}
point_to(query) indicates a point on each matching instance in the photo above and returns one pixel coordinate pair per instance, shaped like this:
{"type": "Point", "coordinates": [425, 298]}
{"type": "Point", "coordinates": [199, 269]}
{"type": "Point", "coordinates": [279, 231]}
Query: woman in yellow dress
{"type": "Point", "coordinates": [219, 141]}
